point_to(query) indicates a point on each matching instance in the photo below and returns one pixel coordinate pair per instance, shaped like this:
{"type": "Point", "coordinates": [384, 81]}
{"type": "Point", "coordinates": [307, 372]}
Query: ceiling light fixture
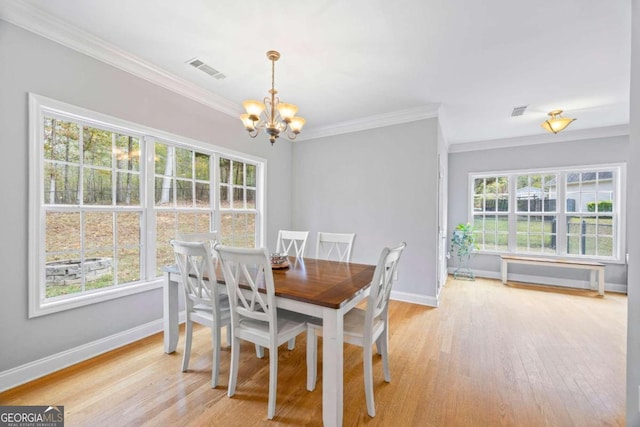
{"type": "Point", "coordinates": [556, 123]}
{"type": "Point", "coordinates": [277, 117]}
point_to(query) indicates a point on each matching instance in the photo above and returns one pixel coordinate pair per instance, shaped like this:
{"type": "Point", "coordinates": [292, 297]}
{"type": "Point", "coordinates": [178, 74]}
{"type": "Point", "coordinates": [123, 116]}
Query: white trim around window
{"type": "Point", "coordinates": [514, 215]}
{"type": "Point", "coordinates": [41, 107]}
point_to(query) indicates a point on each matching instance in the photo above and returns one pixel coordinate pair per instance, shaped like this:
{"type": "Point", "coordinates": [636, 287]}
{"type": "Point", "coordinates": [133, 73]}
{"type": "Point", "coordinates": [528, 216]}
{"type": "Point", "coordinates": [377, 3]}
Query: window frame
{"type": "Point", "coordinates": [619, 214]}
{"type": "Point", "coordinates": [39, 107]}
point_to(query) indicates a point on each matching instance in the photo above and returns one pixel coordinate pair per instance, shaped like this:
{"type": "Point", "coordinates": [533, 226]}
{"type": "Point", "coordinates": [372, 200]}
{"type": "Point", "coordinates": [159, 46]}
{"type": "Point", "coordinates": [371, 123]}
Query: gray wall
{"type": "Point", "coordinates": [571, 153]}
{"type": "Point", "coordinates": [633, 228]}
{"type": "Point", "coordinates": [30, 63]}
{"type": "Point", "coordinates": [380, 184]}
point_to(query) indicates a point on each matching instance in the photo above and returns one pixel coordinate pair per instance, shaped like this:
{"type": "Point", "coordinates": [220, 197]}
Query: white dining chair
{"type": "Point", "coordinates": [255, 316]}
{"type": "Point", "coordinates": [203, 303]}
{"type": "Point", "coordinates": [363, 327]}
{"type": "Point", "coordinates": [296, 240]}
{"type": "Point", "coordinates": [334, 246]}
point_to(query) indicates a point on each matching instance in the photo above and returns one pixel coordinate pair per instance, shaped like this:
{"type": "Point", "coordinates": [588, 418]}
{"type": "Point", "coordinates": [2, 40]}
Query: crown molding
{"type": "Point", "coordinates": [575, 135]}
{"type": "Point", "coordinates": [372, 122]}
{"type": "Point", "coordinates": [52, 28]}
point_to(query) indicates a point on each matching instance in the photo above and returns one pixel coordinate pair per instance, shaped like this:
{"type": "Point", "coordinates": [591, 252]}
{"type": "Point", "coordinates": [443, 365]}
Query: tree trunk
{"type": "Point", "coordinates": [129, 168]}
{"type": "Point", "coordinates": [165, 195]}
{"type": "Point", "coordinates": [54, 167]}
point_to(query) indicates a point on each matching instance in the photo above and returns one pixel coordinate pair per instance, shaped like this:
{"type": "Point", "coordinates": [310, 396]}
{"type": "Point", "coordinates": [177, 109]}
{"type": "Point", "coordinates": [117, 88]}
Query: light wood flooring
{"type": "Point", "coordinates": [491, 355]}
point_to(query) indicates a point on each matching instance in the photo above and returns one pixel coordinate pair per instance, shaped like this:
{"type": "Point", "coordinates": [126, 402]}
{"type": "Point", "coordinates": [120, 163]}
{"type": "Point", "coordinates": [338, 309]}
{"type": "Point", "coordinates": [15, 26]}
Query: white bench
{"type": "Point", "coordinates": [595, 267]}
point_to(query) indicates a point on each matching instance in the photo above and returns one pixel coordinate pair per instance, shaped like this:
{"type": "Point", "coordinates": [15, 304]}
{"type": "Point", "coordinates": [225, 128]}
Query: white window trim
{"type": "Point", "coordinates": [38, 105]}
{"type": "Point", "coordinates": [619, 201]}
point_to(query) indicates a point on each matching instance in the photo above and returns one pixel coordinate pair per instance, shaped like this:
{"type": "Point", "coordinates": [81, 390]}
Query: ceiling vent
{"type": "Point", "coordinates": [200, 65]}
{"type": "Point", "coordinates": [518, 111]}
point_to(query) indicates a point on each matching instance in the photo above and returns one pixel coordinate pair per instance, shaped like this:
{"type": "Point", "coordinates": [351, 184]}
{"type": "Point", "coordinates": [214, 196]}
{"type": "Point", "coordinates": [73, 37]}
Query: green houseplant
{"type": "Point", "coordinates": [463, 245]}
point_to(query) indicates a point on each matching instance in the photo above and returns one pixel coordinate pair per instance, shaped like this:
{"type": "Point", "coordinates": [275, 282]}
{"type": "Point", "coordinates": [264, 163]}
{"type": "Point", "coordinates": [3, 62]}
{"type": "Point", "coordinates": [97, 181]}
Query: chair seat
{"type": "Point", "coordinates": [289, 324]}
{"type": "Point", "coordinates": [203, 313]}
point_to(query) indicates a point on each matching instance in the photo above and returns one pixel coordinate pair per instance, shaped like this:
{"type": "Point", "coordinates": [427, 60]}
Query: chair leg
{"type": "Point", "coordinates": [229, 335]}
{"type": "Point", "coordinates": [259, 351]}
{"type": "Point", "coordinates": [187, 343]}
{"type": "Point", "coordinates": [367, 355]}
{"type": "Point", "coordinates": [215, 362]}
{"type": "Point", "coordinates": [273, 380]}
{"type": "Point", "coordinates": [312, 358]}
{"type": "Point", "coordinates": [233, 369]}
{"type": "Point", "coordinates": [291, 344]}
{"type": "Point", "coordinates": [383, 350]}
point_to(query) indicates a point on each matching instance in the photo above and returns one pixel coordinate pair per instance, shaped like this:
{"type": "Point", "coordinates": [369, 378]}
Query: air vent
{"type": "Point", "coordinates": [200, 65]}
{"type": "Point", "coordinates": [518, 111]}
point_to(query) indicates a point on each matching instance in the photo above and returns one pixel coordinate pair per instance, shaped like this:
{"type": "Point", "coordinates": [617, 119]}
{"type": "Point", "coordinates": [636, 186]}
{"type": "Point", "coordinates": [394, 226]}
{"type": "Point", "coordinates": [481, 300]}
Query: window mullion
{"type": "Point", "coordinates": [513, 239]}
{"type": "Point", "coordinates": [148, 221]}
{"type": "Point", "coordinates": [561, 209]}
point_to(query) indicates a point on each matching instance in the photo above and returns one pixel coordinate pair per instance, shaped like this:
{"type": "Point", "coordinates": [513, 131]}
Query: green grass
{"type": "Point", "coordinates": [537, 236]}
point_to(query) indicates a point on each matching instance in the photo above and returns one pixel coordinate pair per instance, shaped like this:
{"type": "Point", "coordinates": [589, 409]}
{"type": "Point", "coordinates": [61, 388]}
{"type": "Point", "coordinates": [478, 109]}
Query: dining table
{"type": "Point", "coordinates": [320, 288]}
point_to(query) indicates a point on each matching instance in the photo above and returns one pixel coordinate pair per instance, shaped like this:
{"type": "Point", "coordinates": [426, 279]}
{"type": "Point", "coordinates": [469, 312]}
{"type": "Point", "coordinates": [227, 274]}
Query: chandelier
{"type": "Point", "coordinates": [274, 116]}
{"type": "Point", "coordinates": [556, 123]}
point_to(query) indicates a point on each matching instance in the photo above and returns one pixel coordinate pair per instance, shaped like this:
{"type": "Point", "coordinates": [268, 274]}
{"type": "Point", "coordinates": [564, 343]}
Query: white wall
{"type": "Point", "coordinates": [570, 153]}
{"type": "Point", "coordinates": [380, 184]}
{"type": "Point", "coordinates": [633, 245]}
{"type": "Point", "coordinates": [30, 63]}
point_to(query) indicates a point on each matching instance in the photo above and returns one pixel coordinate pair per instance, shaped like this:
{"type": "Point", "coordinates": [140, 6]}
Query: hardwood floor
{"type": "Point", "coordinates": [491, 355]}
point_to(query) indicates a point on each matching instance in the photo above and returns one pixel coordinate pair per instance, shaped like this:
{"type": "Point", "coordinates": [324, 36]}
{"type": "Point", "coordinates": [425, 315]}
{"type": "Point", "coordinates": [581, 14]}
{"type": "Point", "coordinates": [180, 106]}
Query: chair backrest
{"type": "Point", "coordinates": [195, 262]}
{"type": "Point", "coordinates": [381, 284]}
{"type": "Point", "coordinates": [336, 246]}
{"type": "Point", "coordinates": [203, 236]}
{"type": "Point", "coordinates": [292, 239]}
{"type": "Point", "coordinates": [251, 268]}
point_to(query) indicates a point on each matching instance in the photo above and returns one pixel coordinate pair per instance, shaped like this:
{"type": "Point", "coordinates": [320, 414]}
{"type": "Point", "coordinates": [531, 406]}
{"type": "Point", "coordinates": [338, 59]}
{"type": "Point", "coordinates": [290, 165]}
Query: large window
{"type": "Point", "coordinates": [107, 196]}
{"type": "Point", "coordinates": [91, 206]}
{"type": "Point", "coordinates": [569, 212]}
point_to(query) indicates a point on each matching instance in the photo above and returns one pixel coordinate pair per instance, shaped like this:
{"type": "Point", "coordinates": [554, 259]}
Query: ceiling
{"type": "Point", "coordinates": [359, 63]}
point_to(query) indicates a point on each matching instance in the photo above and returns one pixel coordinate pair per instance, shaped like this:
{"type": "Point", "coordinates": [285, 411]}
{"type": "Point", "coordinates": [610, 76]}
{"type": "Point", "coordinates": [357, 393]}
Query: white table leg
{"type": "Point", "coordinates": [601, 281]}
{"type": "Point", "coordinates": [592, 279]}
{"type": "Point", "coordinates": [170, 313]}
{"type": "Point", "coordinates": [504, 272]}
{"type": "Point", "coordinates": [332, 367]}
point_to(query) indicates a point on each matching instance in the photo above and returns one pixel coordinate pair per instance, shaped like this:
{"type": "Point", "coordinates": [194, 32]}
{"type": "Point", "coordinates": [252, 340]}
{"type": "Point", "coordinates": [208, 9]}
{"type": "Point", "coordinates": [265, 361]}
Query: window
{"type": "Point", "coordinates": [237, 202]}
{"type": "Point", "coordinates": [536, 213]}
{"type": "Point", "coordinates": [182, 196]}
{"type": "Point", "coordinates": [569, 212]}
{"type": "Point", "coordinates": [107, 196]}
{"type": "Point", "coordinates": [590, 213]}
{"type": "Point", "coordinates": [91, 206]}
{"type": "Point", "coordinates": [490, 212]}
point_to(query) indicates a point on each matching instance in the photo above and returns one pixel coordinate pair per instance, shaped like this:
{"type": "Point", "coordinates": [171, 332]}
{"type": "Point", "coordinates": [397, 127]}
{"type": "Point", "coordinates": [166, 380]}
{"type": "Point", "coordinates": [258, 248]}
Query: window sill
{"type": "Point", "coordinates": [37, 309]}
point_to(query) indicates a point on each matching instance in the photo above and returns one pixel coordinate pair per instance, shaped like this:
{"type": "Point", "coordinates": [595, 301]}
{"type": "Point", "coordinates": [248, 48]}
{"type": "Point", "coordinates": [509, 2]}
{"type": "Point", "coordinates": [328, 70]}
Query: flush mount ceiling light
{"type": "Point", "coordinates": [277, 117]}
{"type": "Point", "coordinates": [556, 123]}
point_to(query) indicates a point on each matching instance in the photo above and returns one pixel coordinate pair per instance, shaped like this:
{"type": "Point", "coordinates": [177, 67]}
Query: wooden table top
{"type": "Point", "coordinates": [325, 283]}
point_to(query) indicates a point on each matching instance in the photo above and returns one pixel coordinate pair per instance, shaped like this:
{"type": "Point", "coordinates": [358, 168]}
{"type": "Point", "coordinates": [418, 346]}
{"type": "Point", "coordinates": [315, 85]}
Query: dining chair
{"type": "Point", "coordinates": [292, 239]}
{"type": "Point", "coordinates": [363, 327]}
{"type": "Point", "coordinates": [203, 303]}
{"type": "Point", "coordinates": [255, 316]}
{"type": "Point", "coordinates": [334, 246]}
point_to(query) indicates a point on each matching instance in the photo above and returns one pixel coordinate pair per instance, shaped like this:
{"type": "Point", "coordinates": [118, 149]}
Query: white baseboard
{"type": "Point", "coordinates": [30, 371]}
{"type": "Point", "coordinates": [414, 298]}
{"type": "Point", "coordinates": [545, 280]}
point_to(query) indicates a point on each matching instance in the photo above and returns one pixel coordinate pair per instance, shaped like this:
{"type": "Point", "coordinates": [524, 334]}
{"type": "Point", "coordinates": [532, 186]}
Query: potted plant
{"type": "Point", "coordinates": [463, 245]}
